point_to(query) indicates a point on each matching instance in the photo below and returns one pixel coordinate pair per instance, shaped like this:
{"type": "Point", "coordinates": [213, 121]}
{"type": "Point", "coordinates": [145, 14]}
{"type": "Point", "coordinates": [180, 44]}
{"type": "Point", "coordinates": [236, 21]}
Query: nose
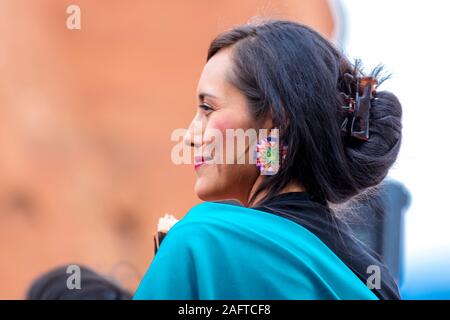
{"type": "Point", "coordinates": [193, 137]}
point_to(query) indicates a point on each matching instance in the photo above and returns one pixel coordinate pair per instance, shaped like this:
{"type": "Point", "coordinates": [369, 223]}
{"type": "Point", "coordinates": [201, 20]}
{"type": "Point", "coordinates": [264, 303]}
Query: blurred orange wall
{"type": "Point", "coordinates": [85, 123]}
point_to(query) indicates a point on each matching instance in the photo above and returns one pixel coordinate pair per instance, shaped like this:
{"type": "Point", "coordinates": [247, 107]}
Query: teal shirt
{"type": "Point", "coordinates": [222, 251]}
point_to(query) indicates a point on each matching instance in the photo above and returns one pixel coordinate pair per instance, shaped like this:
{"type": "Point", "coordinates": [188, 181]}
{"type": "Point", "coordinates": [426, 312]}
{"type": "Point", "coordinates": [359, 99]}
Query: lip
{"type": "Point", "coordinates": [198, 165]}
{"type": "Point", "coordinates": [198, 162]}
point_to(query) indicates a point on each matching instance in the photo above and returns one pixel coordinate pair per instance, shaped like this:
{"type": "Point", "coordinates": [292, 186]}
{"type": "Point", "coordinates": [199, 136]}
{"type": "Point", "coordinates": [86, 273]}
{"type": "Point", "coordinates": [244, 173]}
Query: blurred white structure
{"type": "Point", "coordinates": [411, 39]}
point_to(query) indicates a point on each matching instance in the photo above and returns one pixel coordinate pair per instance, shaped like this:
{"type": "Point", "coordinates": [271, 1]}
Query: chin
{"type": "Point", "coordinates": [208, 191]}
{"type": "Point", "coordinates": [203, 192]}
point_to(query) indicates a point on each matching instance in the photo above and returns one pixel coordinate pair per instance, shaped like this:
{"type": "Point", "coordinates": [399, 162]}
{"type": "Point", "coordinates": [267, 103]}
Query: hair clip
{"type": "Point", "coordinates": [357, 108]}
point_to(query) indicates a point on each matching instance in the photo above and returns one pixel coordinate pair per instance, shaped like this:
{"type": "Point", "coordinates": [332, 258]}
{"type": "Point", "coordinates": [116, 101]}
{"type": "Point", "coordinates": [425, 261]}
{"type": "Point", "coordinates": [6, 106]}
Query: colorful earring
{"type": "Point", "coordinates": [268, 155]}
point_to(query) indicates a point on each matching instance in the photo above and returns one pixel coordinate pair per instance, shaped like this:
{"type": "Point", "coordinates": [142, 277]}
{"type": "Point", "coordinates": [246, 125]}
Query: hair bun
{"type": "Point", "coordinates": [370, 161]}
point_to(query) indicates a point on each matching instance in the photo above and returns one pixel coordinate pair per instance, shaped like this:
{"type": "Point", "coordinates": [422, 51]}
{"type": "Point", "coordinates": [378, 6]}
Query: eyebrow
{"type": "Point", "coordinates": [203, 95]}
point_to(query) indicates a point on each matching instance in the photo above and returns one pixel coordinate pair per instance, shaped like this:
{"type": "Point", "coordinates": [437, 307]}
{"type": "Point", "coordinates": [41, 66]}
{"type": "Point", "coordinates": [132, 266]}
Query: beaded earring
{"type": "Point", "coordinates": [268, 154]}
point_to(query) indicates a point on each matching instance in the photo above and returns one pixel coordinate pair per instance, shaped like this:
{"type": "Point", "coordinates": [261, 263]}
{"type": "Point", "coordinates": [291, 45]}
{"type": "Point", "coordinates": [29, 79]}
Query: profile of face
{"type": "Point", "coordinates": [221, 106]}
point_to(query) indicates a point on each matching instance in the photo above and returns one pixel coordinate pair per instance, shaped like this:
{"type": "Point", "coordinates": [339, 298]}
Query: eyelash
{"type": "Point", "coordinates": [206, 108]}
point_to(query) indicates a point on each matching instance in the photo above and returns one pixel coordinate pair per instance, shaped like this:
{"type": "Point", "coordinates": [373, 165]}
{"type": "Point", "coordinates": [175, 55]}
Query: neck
{"type": "Point", "coordinates": [291, 187]}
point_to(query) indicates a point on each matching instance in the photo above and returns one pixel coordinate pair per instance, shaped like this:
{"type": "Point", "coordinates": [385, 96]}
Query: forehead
{"type": "Point", "coordinates": [215, 72]}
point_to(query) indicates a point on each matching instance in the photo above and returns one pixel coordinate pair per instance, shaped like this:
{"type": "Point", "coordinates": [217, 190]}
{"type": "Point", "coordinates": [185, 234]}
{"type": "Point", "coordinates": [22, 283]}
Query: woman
{"type": "Point", "coordinates": [337, 137]}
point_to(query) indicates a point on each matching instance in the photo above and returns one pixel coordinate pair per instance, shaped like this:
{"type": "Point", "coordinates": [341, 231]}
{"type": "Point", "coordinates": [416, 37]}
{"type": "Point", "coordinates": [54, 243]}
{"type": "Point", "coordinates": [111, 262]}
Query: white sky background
{"type": "Point", "coordinates": [412, 39]}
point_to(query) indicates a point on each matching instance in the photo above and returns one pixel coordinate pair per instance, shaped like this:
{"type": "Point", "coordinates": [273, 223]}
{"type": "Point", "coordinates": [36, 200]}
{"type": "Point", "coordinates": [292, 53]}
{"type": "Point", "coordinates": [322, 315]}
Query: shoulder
{"type": "Point", "coordinates": [217, 214]}
{"type": "Point", "coordinates": [206, 221]}
{"type": "Point", "coordinates": [242, 245]}
{"type": "Point", "coordinates": [230, 227]}
{"type": "Point", "coordinates": [211, 218]}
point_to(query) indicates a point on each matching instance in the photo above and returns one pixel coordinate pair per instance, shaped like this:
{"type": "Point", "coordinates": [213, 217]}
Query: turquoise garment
{"type": "Point", "coordinates": [222, 251]}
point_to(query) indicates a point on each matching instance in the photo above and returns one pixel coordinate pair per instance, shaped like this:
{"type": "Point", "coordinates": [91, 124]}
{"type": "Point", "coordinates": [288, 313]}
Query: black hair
{"type": "Point", "coordinates": [53, 286]}
{"type": "Point", "coordinates": [292, 73]}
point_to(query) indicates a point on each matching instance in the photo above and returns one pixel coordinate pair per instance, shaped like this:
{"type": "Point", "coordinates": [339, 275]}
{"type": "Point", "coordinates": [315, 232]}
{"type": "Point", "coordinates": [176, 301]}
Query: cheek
{"type": "Point", "coordinates": [222, 124]}
{"type": "Point", "coordinates": [229, 120]}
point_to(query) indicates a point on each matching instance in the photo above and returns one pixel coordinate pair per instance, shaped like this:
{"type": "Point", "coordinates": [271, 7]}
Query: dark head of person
{"type": "Point", "coordinates": [53, 285]}
{"type": "Point", "coordinates": [291, 73]}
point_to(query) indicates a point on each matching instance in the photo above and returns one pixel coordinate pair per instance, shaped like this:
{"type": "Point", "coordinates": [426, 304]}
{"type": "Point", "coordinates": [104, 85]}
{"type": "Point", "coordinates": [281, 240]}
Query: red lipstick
{"type": "Point", "coordinates": [198, 161]}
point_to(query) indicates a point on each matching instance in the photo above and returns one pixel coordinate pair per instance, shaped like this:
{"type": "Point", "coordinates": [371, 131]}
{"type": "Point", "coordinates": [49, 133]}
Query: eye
{"type": "Point", "coordinates": [206, 108]}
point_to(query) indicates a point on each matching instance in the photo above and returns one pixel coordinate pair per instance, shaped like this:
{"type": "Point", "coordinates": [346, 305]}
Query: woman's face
{"type": "Point", "coordinates": [221, 106]}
